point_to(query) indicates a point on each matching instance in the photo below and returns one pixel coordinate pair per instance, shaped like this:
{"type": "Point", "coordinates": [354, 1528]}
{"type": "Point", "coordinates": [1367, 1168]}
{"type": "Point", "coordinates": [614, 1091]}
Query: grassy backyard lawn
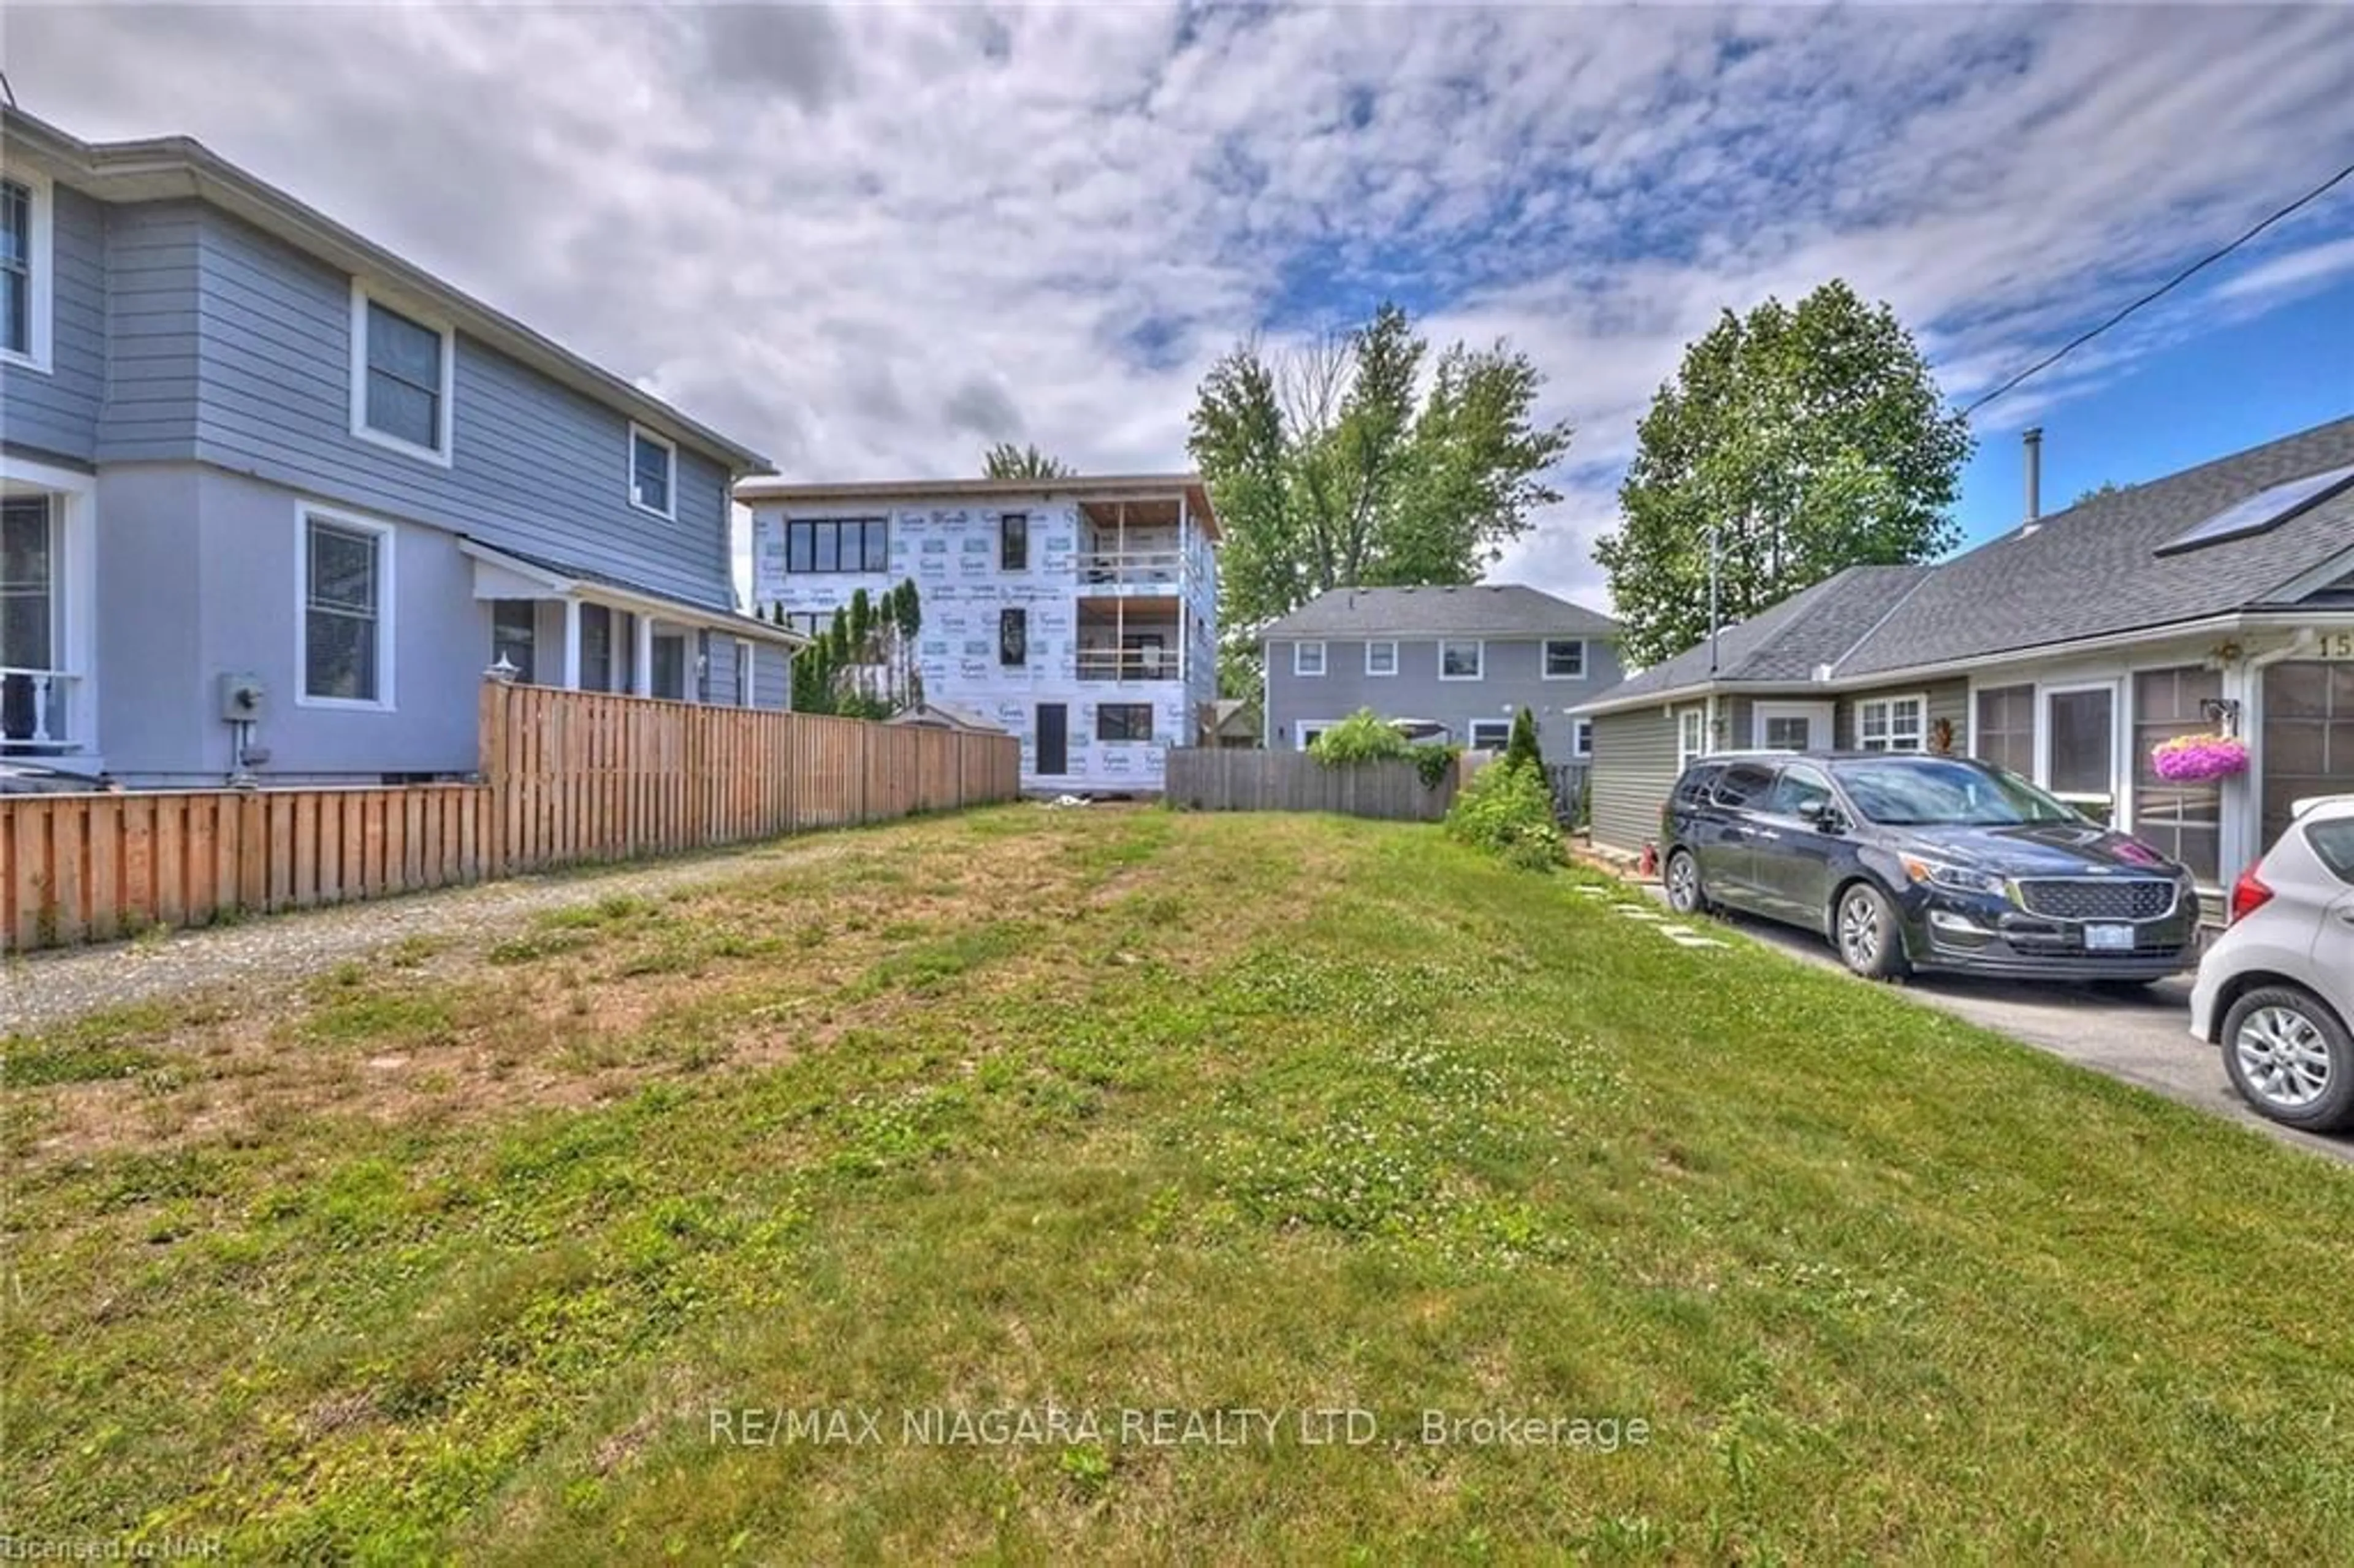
{"type": "Point", "coordinates": [1126, 1117]}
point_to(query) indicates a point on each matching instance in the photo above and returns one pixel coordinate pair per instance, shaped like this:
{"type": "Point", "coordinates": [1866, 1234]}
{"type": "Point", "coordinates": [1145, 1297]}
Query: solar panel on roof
{"type": "Point", "coordinates": [2265, 509]}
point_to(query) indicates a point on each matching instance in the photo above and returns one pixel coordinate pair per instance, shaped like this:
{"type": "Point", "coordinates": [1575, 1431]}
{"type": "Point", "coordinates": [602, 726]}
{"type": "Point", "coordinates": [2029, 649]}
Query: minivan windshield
{"type": "Point", "coordinates": [1922, 792]}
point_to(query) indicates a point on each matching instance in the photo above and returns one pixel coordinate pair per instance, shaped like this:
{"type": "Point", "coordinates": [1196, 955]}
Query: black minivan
{"type": "Point", "coordinates": [1909, 862]}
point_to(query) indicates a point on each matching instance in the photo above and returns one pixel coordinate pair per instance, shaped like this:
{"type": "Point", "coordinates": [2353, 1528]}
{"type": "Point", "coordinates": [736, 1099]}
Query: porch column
{"type": "Point", "coordinates": [571, 644]}
{"type": "Point", "coordinates": [641, 683]}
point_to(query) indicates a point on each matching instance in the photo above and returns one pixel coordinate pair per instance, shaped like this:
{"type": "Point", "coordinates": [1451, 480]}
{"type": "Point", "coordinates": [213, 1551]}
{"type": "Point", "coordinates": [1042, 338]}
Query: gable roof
{"type": "Point", "coordinates": [1476, 610]}
{"type": "Point", "coordinates": [2095, 570]}
{"type": "Point", "coordinates": [164, 168]}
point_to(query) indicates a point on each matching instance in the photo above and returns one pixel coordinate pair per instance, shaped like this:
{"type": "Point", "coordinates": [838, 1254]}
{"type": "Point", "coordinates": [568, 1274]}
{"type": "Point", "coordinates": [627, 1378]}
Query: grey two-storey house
{"type": "Point", "coordinates": [1448, 664]}
{"type": "Point", "coordinates": [275, 499]}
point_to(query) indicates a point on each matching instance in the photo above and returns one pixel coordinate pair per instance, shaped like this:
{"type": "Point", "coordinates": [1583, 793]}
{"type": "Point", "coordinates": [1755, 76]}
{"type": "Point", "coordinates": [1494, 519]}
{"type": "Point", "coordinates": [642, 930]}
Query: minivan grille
{"type": "Point", "coordinates": [2087, 898]}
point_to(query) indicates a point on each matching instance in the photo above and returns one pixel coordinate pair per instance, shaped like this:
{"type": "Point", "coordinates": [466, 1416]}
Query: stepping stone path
{"type": "Point", "coordinates": [1682, 936]}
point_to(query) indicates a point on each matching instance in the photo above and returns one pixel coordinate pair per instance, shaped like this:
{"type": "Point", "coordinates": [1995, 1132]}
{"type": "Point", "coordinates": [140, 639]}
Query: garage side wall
{"type": "Point", "coordinates": [1634, 768]}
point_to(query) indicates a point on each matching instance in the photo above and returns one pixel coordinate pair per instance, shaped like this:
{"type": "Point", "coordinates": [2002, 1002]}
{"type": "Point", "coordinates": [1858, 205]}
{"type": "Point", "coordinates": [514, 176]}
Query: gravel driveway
{"type": "Point", "coordinates": [272, 954]}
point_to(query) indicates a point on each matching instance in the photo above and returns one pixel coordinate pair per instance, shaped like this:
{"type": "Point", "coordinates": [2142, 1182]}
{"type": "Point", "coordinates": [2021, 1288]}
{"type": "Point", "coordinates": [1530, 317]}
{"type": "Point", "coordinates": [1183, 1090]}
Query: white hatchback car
{"type": "Point", "coordinates": [2275, 990]}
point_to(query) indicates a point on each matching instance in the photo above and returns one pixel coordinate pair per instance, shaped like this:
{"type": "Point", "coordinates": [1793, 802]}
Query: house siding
{"type": "Point", "coordinates": [1634, 768]}
{"type": "Point", "coordinates": [153, 334]}
{"type": "Point", "coordinates": [1512, 677]}
{"type": "Point", "coordinates": [55, 411]}
{"type": "Point", "coordinates": [1948, 700]}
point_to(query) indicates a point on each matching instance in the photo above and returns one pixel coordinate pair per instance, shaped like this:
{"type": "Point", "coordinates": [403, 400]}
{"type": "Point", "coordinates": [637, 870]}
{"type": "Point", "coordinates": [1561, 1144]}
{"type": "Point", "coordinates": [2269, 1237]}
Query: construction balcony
{"type": "Point", "coordinates": [1130, 640]}
{"type": "Point", "coordinates": [1128, 548]}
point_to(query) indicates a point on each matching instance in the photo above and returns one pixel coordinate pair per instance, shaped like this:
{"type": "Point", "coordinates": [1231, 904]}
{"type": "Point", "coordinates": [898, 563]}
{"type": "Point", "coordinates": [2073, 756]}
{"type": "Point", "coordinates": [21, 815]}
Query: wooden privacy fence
{"type": "Point", "coordinates": [569, 776]}
{"type": "Point", "coordinates": [1206, 779]}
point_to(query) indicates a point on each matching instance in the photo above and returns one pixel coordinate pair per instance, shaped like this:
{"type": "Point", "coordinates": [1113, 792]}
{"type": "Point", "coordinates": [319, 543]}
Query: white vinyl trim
{"type": "Point", "coordinates": [669, 513]}
{"type": "Point", "coordinates": [38, 249]}
{"type": "Point", "coordinates": [1300, 659]}
{"type": "Point", "coordinates": [445, 408]}
{"type": "Point", "coordinates": [1370, 669]}
{"type": "Point", "coordinates": [1544, 657]}
{"type": "Point", "coordinates": [1479, 658]}
{"type": "Point", "coordinates": [386, 606]}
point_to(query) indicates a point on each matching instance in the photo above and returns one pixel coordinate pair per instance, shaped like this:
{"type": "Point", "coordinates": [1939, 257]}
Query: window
{"type": "Point", "coordinates": [1308, 658]}
{"type": "Point", "coordinates": [670, 667]}
{"type": "Point", "coordinates": [1743, 785]}
{"type": "Point", "coordinates": [1564, 658]}
{"type": "Point", "coordinates": [1692, 735]}
{"type": "Point", "coordinates": [1891, 724]}
{"type": "Point", "coordinates": [609, 643]}
{"type": "Point", "coordinates": [1013, 542]}
{"type": "Point", "coordinates": [2005, 728]}
{"type": "Point", "coordinates": [808, 622]}
{"type": "Point", "coordinates": [653, 463]}
{"type": "Point", "coordinates": [1785, 732]}
{"type": "Point", "coordinates": [1012, 637]}
{"type": "Point", "coordinates": [1124, 721]}
{"type": "Point", "coordinates": [2082, 764]}
{"type": "Point", "coordinates": [1461, 661]}
{"type": "Point", "coordinates": [2185, 821]}
{"type": "Point", "coordinates": [743, 686]}
{"type": "Point", "coordinates": [1381, 658]}
{"type": "Point", "coordinates": [401, 373]}
{"type": "Point", "coordinates": [347, 605]}
{"type": "Point", "coordinates": [837, 545]}
{"type": "Point", "coordinates": [514, 635]}
{"type": "Point", "coordinates": [1582, 737]}
{"type": "Point", "coordinates": [1488, 735]}
{"type": "Point", "coordinates": [1308, 732]}
{"type": "Point", "coordinates": [28, 584]}
{"type": "Point", "coordinates": [1799, 791]}
{"type": "Point", "coordinates": [25, 272]}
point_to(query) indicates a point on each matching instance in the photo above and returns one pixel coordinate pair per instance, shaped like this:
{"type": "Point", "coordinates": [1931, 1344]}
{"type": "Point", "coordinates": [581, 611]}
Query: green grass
{"type": "Point", "coordinates": [1114, 1112]}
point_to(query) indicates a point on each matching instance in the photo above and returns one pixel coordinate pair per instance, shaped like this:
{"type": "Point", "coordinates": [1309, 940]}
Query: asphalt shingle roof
{"type": "Point", "coordinates": [2094, 569]}
{"type": "Point", "coordinates": [2090, 571]}
{"type": "Point", "coordinates": [1477, 610]}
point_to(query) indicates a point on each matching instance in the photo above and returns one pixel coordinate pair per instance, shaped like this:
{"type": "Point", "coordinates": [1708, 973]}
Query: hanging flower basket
{"type": "Point", "coordinates": [2196, 759]}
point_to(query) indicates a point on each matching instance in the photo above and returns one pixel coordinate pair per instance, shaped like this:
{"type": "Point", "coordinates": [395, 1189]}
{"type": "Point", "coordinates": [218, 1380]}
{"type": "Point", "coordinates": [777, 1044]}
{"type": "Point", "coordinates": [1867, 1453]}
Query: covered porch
{"type": "Point", "coordinates": [1130, 639]}
{"type": "Point", "coordinates": [551, 626]}
{"type": "Point", "coordinates": [48, 696]}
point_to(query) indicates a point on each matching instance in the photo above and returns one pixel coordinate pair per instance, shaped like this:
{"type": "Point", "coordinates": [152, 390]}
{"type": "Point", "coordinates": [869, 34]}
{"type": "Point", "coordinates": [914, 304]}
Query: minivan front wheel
{"type": "Point", "coordinates": [1863, 926]}
{"type": "Point", "coordinates": [2291, 1058]}
{"type": "Point", "coordinates": [1685, 895]}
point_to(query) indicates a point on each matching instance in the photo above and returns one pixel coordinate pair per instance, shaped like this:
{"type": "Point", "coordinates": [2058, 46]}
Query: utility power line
{"type": "Point", "coordinates": [2070, 347]}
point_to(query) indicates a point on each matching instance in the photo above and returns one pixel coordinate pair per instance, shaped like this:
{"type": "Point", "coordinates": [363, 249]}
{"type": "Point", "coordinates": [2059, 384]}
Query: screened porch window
{"type": "Point", "coordinates": [2184, 822]}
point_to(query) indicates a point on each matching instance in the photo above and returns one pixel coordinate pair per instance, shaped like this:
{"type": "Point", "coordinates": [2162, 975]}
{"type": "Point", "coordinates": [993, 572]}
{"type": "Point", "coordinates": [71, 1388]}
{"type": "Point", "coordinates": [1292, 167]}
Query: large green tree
{"type": "Point", "coordinates": [1006, 460]}
{"type": "Point", "coordinates": [1359, 461]}
{"type": "Point", "coordinates": [1808, 440]}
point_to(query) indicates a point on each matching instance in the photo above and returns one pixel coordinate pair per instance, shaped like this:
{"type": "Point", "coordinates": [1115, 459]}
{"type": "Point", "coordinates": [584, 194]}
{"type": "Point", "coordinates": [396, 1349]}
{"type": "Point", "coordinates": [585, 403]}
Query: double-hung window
{"type": "Point", "coordinates": [1381, 658]}
{"type": "Point", "coordinates": [1488, 735]}
{"type": "Point", "coordinates": [346, 612]}
{"type": "Point", "coordinates": [1308, 658]}
{"type": "Point", "coordinates": [1564, 658]}
{"type": "Point", "coordinates": [1891, 724]}
{"type": "Point", "coordinates": [1013, 542]}
{"type": "Point", "coordinates": [402, 371]}
{"type": "Point", "coordinates": [1461, 659]}
{"type": "Point", "coordinates": [25, 272]}
{"type": "Point", "coordinates": [654, 470]}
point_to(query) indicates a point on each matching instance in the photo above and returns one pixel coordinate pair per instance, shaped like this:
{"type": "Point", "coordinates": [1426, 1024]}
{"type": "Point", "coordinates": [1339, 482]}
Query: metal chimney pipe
{"type": "Point", "coordinates": [2033, 437]}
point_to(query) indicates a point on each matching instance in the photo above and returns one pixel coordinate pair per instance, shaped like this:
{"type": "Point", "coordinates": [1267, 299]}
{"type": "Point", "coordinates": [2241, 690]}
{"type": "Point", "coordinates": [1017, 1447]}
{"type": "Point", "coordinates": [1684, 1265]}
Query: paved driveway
{"type": "Point", "coordinates": [2143, 1038]}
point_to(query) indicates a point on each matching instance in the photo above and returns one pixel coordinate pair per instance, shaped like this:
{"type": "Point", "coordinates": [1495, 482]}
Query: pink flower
{"type": "Point", "coordinates": [2195, 758]}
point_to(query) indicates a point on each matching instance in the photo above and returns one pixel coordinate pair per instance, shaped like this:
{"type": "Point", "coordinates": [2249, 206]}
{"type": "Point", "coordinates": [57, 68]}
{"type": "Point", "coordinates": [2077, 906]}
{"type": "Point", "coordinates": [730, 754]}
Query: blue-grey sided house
{"type": "Point", "coordinates": [2217, 599]}
{"type": "Point", "coordinates": [1450, 663]}
{"type": "Point", "coordinates": [275, 499]}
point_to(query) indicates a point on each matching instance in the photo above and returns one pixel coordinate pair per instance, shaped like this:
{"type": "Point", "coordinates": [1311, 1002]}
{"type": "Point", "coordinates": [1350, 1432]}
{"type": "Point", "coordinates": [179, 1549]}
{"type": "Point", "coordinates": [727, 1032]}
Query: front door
{"type": "Point", "coordinates": [1054, 739]}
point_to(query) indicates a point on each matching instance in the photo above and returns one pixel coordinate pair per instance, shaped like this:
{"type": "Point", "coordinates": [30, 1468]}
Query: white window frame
{"type": "Point", "coordinates": [1471, 728]}
{"type": "Point", "coordinates": [1581, 737]}
{"type": "Point", "coordinates": [1544, 657]}
{"type": "Point", "coordinates": [40, 254]}
{"type": "Point", "coordinates": [1307, 730]}
{"type": "Point", "coordinates": [1692, 735]}
{"type": "Point", "coordinates": [670, 449]}
{"type": "Point", "coordinates": [1299, 665]}
{"type": "Point", "coordinates": [748, 685]}
{"type": "Point", "coordinates": [1822, 721]}
{"type": "Point", "coordinates": [1920, 736]}
{"type": "Point", "coordinates": [363, 297]}
{"type": "Point", "coordinates": [1482, 649]}
{"type": "Point", "coordinates": [387, 607]}
{"type": "Point", "coordinates": [2121, 761]}
{"type": "Point", "coordinates": [1392, 647]}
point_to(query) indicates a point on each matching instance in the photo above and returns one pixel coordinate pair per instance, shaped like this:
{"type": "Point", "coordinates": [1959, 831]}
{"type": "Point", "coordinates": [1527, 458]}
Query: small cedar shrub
{"type": "Point", "coordinates": [1506, 809]}
{"type": "Point", "coordinates": [1523, 746]}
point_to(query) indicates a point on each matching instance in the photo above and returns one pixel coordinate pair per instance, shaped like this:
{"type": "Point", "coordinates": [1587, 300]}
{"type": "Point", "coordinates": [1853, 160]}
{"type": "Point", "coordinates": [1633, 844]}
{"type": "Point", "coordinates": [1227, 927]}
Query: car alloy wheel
{"type": "Point", "coordinates": [1858, 931]}
{"type": "Point", "coordinates": [2284, 1060]}
{"type": "Point", "coordinates": [1683, 884]}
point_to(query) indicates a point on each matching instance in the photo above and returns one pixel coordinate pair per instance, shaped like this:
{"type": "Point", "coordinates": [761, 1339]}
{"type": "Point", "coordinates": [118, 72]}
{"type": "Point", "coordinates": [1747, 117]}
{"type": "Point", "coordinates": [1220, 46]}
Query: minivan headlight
{"type": "Point", "coordinates": [1959, 878]}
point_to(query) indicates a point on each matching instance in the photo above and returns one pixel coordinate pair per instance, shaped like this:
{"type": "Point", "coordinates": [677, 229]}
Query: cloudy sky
{"type": "Point", "coordinates": [870, 241]}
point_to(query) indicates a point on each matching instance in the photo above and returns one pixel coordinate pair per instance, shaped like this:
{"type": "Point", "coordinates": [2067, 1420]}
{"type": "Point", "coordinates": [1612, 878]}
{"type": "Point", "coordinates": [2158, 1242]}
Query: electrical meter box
{"type": "Point", "coordinates": [241, 698]}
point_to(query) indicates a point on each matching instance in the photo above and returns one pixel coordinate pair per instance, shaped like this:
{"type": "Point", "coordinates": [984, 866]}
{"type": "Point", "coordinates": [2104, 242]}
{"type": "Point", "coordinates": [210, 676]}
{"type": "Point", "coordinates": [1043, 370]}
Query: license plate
{"type": "Point", "coordinates": [2108, 938]}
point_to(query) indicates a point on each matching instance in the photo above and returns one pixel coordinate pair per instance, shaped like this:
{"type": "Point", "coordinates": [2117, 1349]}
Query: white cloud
{"type": "Point", "coordinates": [869, 241]}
